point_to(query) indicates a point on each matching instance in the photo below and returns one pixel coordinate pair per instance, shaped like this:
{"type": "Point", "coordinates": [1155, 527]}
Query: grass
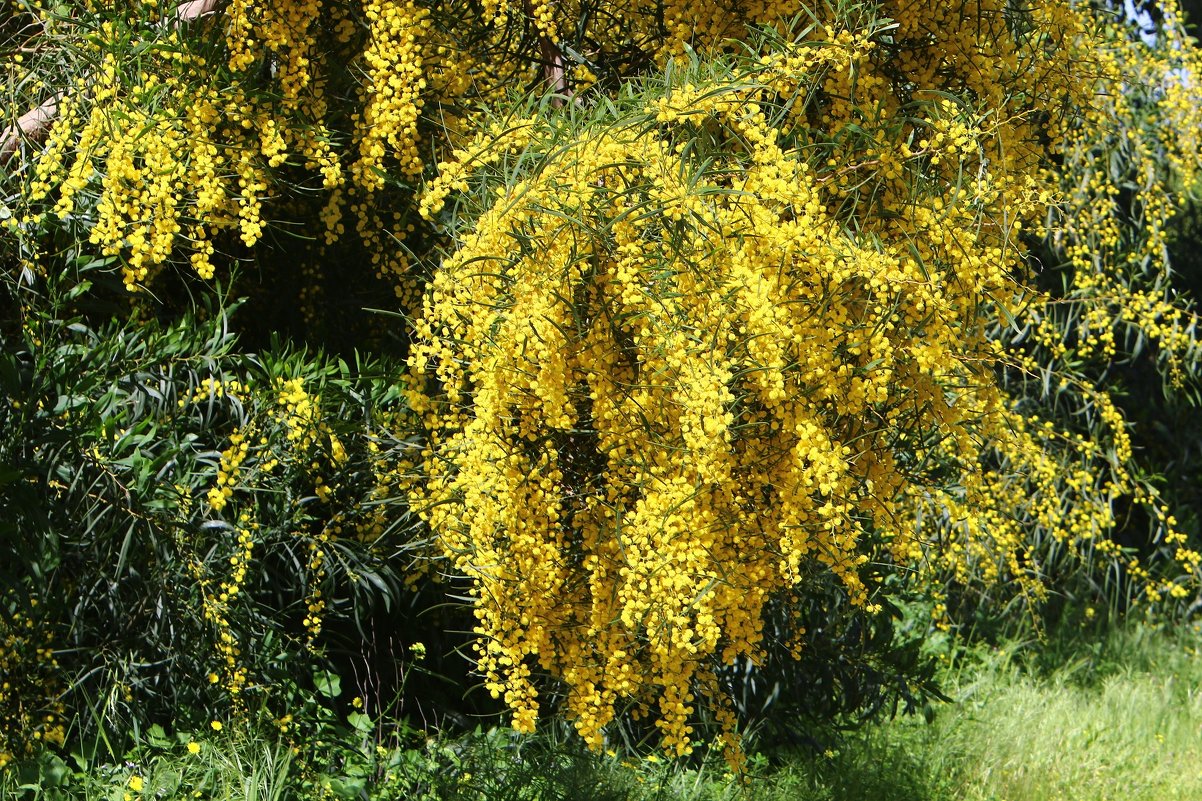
{"type": "Point", "coordinates": [1118, 716]}
{"type": "Point", "coordinates": [232, 767]}
{"type": "Point", "coordinates": [1119, 719]}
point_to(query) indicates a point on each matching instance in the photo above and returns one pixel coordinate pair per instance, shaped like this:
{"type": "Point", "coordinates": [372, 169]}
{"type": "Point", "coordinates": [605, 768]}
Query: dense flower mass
{"type": "Point", "coordinates": [743, 307]}
{"type": "Point", "coordinates": [192, 144]}
{"type": "Point", "coordinates": [692, 354]}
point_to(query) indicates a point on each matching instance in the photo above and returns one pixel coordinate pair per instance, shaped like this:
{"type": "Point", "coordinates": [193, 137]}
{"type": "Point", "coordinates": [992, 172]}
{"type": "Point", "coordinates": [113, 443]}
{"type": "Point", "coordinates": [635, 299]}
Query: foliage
{"type": "Point", "coordinates": [1116, 713]}
{"type": "Point", "coordinates": [186, 516]}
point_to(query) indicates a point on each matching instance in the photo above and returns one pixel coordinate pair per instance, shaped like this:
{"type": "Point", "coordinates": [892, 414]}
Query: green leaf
{"type": "Point", "coordinates": [346, 788]}
{"type": "Point", "coordinates": [360, 722]}
{"type": "Point", "coordinates": [54, 772]}
{"type": "Point", "coordinates": [157, 737]}
{"type": "Point", "coordinates": [9, 474]}
{"type": "Point", "coordinates": [327, 683]}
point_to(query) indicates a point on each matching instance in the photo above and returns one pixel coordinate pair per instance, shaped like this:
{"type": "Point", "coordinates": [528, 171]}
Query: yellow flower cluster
{"type": "Point", "coordinates": [290, 435]}
{"type": "Point", "coordinates": [299, 412]}
{"type": "Point", "coordinates": [163, 169]}
{"type": "Point", "coordinates": [393, 90]}
{"type": "Point", "coordinates": [169, 157]}
{"type": "Point", "coordinates": [1113, 227]}
{"type": "Point", "coordinates": [301, 415]}
{"type": "Point", "coordinates": [228, 471]}
{"type": "Point", "coordinates": [314, 603]}
{"type": "Point", "coordinates": [661, 389]}
{"type": "Point", "coordinates": [281, 32]}
{"type": "Point", "coordinates": [217, 609]}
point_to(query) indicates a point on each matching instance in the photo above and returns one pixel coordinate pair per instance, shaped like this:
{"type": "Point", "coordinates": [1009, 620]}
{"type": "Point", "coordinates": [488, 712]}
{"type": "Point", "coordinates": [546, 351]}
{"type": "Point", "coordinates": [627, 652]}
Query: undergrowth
{"type": "Point", "coordinates": [1118, 716]}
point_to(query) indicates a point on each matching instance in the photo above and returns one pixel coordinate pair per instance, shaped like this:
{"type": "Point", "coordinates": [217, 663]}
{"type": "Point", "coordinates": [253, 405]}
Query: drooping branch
{"type": "Point", "coordinates": [35, 124]}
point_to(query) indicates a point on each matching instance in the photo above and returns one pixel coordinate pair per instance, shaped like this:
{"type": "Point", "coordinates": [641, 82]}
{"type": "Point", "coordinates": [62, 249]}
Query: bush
{"type": "Point", "coordinates": [190, 518]}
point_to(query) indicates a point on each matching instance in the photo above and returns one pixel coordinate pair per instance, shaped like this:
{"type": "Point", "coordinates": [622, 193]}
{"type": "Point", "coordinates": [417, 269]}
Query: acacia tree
{"type": "Point", "coordinates": [740, 336]}
{"type": "Point", "coordinates": [740, 314]}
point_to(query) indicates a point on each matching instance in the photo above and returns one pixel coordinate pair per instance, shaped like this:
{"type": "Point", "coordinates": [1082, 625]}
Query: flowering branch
{"type": "Point", "coordinates": [34, 124]}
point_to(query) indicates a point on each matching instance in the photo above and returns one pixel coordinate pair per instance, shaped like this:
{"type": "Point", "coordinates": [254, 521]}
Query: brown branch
{"type": "Point", "coordinates": [554, 69]}
{"type": "Point", "coordinates": [194, 10]}
{"type": "Point", "coordinates": [35, 124]}
{"type": "Point", "coordinates": [32, 125]}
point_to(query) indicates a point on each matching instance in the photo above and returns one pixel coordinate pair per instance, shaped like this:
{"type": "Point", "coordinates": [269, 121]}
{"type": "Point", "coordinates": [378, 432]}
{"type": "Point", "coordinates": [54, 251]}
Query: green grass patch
{"type": "Point", "coordinates": [1120, 718]}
